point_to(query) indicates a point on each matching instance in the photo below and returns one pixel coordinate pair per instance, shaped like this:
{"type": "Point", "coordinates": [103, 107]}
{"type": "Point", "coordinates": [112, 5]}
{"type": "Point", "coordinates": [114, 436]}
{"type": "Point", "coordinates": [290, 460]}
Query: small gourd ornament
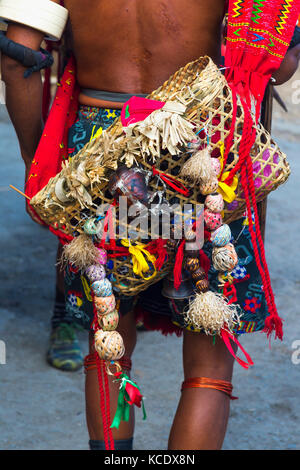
{"type": "Point", "coordinates": [108, 342]}
{"type": "Point", "coordinates": [209, 311]}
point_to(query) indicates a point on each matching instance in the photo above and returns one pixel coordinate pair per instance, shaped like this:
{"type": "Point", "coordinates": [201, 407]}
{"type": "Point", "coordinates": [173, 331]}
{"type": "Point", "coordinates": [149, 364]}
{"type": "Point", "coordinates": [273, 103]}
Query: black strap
{"type": "Point", "coordinates": [29, 58]}
{"type": "Point", "coordinates": [120, 444]}
{"type": "Point", "coordinates": [114, 97]}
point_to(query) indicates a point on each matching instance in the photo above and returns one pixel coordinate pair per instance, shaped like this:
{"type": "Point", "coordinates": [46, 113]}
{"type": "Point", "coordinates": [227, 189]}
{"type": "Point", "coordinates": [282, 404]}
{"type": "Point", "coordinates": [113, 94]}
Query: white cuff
{"type": "Point", "coordinates": [43, 15]}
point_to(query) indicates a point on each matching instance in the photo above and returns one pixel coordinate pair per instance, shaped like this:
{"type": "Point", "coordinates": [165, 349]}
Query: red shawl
{"type": "Point", "coordinates": [258, 35]}
{"type": "Point", "coordinates": [53, 146]}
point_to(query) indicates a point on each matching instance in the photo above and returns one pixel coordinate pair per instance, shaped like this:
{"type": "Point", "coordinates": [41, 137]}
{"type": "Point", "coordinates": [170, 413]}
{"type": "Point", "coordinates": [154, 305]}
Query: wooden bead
{"type": "Point", "coordinates": [202, 285]}
{"type": "Point", "coordinates": [110, 321]}
{"type": "Point", "coordinates": [190, 235]}
{"type": "Point", "coordinates": [224, 258]}
{"type": "Point", "coordinates": [209, 188]}
{"type": "Point", "coordinates": [90, 226]}
{"type": "Point", "coordinates": [199, 274]}
{"type": "Point", "coordinates": [96, 272]}
{"type": "Point", "coordinates": [192, 253]}
{"type": "Point", "coordinates": [192, 264]}
{"type": "Point", "coordinates": [171, 244]}
{"type": "Point", "coordinates": [102, 288]}
{"type": "Point", "coordinates": [109, 345]}
{"type": "Point", "coordinates": [105, 305]}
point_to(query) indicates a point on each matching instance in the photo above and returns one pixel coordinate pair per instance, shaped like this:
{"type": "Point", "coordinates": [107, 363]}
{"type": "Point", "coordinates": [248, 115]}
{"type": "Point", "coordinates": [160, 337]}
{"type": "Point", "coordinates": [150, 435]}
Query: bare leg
{"type": "Point", "coordinates": [201, 419]}
{"type": "Point", "coordinates": [93, 413]}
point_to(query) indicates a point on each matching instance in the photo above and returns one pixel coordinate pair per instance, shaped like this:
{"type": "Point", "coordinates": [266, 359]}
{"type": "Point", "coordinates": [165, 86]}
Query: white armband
{"type": "Point", "coordinates": [43, 15]}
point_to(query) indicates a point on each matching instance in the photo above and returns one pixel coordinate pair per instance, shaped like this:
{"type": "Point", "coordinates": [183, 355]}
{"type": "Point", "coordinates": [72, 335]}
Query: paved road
{"type": "Point", "coordinates": [44, 409]}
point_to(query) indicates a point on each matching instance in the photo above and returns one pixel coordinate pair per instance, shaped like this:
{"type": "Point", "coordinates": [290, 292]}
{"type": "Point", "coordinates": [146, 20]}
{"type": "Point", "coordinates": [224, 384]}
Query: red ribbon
{"type": "Point", "coordinates": [172, 182]}
{"type": "Point", "coordinates": [158, 247]}
{"type": "Point", "coordinates": [134, 395]}
{"type": "Point", "coordinates": [204, 262]}
{"type": "Point", "coordinates": [177, 272]}
{"type": "Point", "coordinates": [227, 337]}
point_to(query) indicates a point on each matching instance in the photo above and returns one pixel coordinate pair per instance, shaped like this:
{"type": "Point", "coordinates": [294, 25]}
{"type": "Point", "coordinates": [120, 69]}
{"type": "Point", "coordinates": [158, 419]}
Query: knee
{"type": "Point", "coordinates": [205, 357]}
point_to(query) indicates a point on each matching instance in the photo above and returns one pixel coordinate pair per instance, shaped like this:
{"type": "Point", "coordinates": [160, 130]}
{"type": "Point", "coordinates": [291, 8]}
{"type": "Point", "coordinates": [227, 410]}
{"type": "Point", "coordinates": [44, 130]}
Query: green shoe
{"type": "Point", "coordinates": [64, 352]}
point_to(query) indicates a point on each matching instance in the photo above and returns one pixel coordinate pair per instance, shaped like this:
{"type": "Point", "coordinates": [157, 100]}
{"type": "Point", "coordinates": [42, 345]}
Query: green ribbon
{"type": "Point", "coordinates": [127, 113]}
{"type": "Point", "coordinates": [123, 408]}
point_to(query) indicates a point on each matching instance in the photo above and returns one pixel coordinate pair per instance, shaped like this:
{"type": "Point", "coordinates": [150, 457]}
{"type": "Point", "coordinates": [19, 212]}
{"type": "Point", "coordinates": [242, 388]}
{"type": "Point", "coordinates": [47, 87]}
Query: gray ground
{"type": "Point", "coordinates": [42, 408]}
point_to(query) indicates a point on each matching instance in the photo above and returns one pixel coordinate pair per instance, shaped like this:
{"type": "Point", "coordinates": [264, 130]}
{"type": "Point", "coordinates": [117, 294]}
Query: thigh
{"type": "Point", "coordinates": [204, 356]}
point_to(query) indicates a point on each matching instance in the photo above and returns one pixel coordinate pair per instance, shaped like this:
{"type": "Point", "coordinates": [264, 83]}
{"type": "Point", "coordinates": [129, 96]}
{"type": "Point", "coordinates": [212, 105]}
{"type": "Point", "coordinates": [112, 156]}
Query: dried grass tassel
{"type": "Point", "coordinates": [81, 252]}
{"type": "Point", "coordinates": [165, 128]}
{"type": "Point", "coordinates": [209, 312]}
{"type": "Point", "coordinates": [198, 168]}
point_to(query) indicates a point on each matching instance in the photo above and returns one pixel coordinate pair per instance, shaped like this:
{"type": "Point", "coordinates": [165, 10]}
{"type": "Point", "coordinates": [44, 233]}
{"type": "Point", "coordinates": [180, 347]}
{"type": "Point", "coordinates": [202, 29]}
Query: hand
{"type": "Point", "coordinates": [27, 207]}
{"type": "Point", "coordinates": [288, 66]}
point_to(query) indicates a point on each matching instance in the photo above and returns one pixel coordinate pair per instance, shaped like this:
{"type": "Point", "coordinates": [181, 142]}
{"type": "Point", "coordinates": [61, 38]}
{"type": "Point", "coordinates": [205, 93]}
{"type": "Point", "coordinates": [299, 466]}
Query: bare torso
{"type": "Point", "coordinates": [133, 46]}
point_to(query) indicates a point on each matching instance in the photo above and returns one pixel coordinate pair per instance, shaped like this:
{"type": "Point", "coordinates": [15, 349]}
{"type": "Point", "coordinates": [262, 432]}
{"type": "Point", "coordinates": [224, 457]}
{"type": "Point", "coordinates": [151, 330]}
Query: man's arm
{"type": "Point", "coordinates": [24, 95]}
{"type": "Point", "coordinates": [288, 66]}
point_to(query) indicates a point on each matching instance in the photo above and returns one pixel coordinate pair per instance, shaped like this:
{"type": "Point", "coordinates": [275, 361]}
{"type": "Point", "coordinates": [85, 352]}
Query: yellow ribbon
{"type": "Point", "coordinates": [139, 259]}
{"type": "Point", "coordinates": [97, 134]}
{"type": "Point", "coordinates": [227, 191]}
{"type": "Point", "coordinates": [86, 288]}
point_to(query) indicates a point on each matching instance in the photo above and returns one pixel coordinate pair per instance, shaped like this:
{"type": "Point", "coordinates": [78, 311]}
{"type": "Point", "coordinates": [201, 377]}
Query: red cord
{"type": "Point", "coordinates": [104, 393]}
{"type": "Point", "coordinates": [230, 137]}
{"type": "Point", "coordinates": [247, 141]}
{"type": "Point", "coordinates": [108, 420]}
{"type": "Point", "coordinates": [205, 382]}
{"type": "Point", "coordinates": [177, 271]}
{"type": "Point", "coordinates": [172, 182]}
{"type": "Point", "coordinates": [244, 165]}
{"type": "Point", "coordinates": [102, 404]}
{"type": "Point", "coordinates": [273, 322]}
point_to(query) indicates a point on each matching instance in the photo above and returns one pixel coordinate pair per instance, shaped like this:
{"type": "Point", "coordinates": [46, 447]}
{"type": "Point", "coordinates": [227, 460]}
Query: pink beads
{"type": "Point", "coordinates": [212, 220]}
{"type": "Point", "coordinates": [105, 305]}
{"type": "Point", "coordinates": [216, 166]}
{"type": "Point", "coordinates": [214, 202]}
{"type": "Point", "coordinates": [95, 272]}
{"type": "Point", "coordinates": [102, 257]}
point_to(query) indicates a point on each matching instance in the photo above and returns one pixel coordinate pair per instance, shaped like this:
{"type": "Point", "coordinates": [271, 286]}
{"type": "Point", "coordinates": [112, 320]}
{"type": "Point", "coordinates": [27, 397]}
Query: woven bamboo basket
{"type": "Point", "coordinates": [125, 282]}
{"type": "Point", "coordinates": [202, 88]}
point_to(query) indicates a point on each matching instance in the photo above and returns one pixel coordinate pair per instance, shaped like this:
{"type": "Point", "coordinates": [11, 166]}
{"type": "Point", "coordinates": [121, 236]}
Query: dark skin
{"type": "Point", "coordinates": [141, 43]}
{"type": "Point", "coordinates": [288, 66]}
{"type": "Point", "coordinates": [133, 46]}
